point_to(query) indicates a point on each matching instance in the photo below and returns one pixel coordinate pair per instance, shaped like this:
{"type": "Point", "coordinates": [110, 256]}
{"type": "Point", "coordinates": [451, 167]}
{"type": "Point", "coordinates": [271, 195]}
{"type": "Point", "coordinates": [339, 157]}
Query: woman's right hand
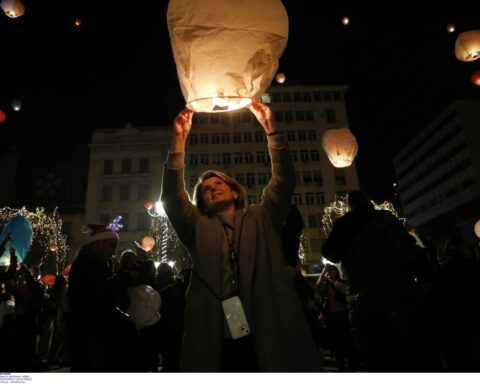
{"type": "Point", "coordinates": [183, 123]}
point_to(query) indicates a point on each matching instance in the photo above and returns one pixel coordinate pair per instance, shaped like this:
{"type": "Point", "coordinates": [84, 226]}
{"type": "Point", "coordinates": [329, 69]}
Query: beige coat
{"type": "Point", "coordinates": [282, 338]}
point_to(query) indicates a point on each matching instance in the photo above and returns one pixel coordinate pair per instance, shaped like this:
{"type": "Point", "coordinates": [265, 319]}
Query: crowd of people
{"type": "Point", "coordinates": [386, 301]}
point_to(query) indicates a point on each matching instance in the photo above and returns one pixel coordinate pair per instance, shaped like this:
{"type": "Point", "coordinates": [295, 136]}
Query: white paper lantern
{"type": "Point", "coordinates": [340, 146]}
{"type": "Point", "coordinates": [477, 228]}
{"type": "Point", "coordinates": [13, 8]}
{"type": "Point", "coordinates": [280, 77]}
{"type": "Point", "coordinates": [226, 52]}
{"type": "Point", "coordinates": [467, 46]}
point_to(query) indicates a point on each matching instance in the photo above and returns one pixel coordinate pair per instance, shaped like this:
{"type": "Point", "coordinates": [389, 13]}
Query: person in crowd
{"type": "Point", "coordinates": [383, 267]}
{"type": "Point", "coordinates": [237, 259]}
{"type": "Point", "coordinates": [103, 337]}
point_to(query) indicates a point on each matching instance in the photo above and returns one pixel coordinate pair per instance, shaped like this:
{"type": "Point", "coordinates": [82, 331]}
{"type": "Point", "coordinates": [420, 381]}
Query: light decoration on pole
{"type": "Point", "coordinates": [13, 8]}
{"type": "Point", "coordinates": [115, 225]}
{"type": "Point", "coordinates": [159, 228]}
{"type": "Point", "coordinates": [467, 46]}
{"type": "Point", "coordinates": [47, 232]}
{"type": "Point", "coordinates": [226, 52]}
{"type": "Point", "coordinates": [339, 207]}
{"type": "Point", "coordinates": [340, 146]}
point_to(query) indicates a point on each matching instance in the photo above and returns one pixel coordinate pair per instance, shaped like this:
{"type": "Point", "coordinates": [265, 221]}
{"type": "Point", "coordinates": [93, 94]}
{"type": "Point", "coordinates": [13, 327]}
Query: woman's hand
{"type": "Point", "coordinates": [263, 114]}
{"type": "Point", "coordinates": [183, 122]}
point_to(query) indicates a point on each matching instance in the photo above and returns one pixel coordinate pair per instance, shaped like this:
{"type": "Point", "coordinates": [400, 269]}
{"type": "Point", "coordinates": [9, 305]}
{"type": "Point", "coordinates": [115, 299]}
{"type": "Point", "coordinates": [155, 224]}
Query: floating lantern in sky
{"type": "Point", "coordinates": [3, 116]}
{"type": "Point", "coordinates": [477, 228]}
{"type": "Point", "coordinates": [476, 78]}
{"type": "Point", "coordinates": [13, 8]}
{"type": "Point", "coordinates": [451, 28]}
{"type": "Point", "coordinates": [345, 20]}
{"type": "Point", "coordinates": [467, 46]}
{"type": "Point", "coordinates": [16, 105]}
{"type": "Point", "coordinates": [78, 22]}
{"type": "Point", "coordinates": [280, 77]}
{"type": "Point", "coordinates": [226, 52]}
{"type": "Point", "coordinates": [340, 146]}
{"type": "Point", "coordinates": [147, 243]}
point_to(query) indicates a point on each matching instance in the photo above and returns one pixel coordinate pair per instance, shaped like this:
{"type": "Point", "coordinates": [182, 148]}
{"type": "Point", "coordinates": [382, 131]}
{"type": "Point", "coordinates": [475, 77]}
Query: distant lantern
{"type": "Point", "coordinates": [226, 52]}
{"type": "Point", "coordinates": [477, 228]}
{"type": "Point", "coordinates": [147, 243]}
{"type": "Point", "coordinates": [13, 8]}
{"type": "Point", "coordinates": [78, 22]}
{"type": "Point", "coordinates": [53, 247]}
{"type": "Point", "coordinates": [148, 205]}
{"type": "Point", "coordinates": [16, 105]}
{"type": "Point", "coordinates": [476, 78]}
{"type": "Point", "coordinates": [280, 77]}
{"type": "Point", "coordinates": [345, 20]}
{"type": "Point", "coordinates": [467, 46]}
{"type": "Point", "coordinates": [3, 116]}
{"type": "Point", "coordinates": [340, 146]}
{"type": "Point", "coordinates": [451, 28]}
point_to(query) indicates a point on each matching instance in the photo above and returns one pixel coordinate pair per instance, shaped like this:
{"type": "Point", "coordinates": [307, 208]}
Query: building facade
{"type": "Point", "coordinates": [438, 172]}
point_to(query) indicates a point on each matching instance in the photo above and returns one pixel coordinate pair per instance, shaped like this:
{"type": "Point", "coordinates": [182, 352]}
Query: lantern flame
{"type": "Point", "coordinates": [219, 104]}
{"type": "Point", "coordinates": [13, 8]}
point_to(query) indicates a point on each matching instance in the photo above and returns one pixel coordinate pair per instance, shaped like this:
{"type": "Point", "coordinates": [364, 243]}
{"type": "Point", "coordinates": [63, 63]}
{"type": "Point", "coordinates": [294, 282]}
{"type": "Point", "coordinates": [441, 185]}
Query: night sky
{"type": "Point", "coordinates": [118, 67]}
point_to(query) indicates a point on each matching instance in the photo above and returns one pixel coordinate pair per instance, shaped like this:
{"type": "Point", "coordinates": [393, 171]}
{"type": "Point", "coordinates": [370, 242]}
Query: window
{"type": "Point", "coordinates": [294, 156]}
{"type": "Point", "coordinates": [107, 167]}
{"type": "Point", "coordinates": [193, 139]}
{"type": "Point", "coordinates": [261, 157]}
{"type": "Point", "coordinates": [262, 178]}
{"type": "Point", "coordinates": [193, 159]}
{"type": "Point", "coordinates": [259, 137]}
{"type": "Point", "coordinates": [340, 177]}
{"type": "Point", "coordinates": [238, 158]}
{"type": "Point", "coordinates": [143, 222]}
{"type": "Point", "coordinates": [317, 178]}
{"type": "Point", "coordinates": [314, 155]}
{"type": "Point", "coordinates": [226, 138]}
{"type": "Point", "coordinates": [312, 135]}
{"type": "Point", "coordinates": [297, 96]}
{"type": "Point", "coordinates": [307, 96]}
{"type": "Point", "coordinates": [304, 155]}
{"type": "Point", "coordinates": [143, 190]}
{"type": "Point", "coordinates": [297, 198]}
{"type": "Point", "coordinates": [330, 116]}
{"type": "Point", "coordinates": [240, 178]}
{"type": "Point", "coordinates": [291, 135]}
{"type": "Point", "coordinates": [277, 97]}
{"type": "Point", "coordinates": [215, 137]}
{"type": "Point", "coordinates": [278, 116]}
{"type": "Point", "coordinates": [144, 165]}
{"type": "Point", "coordinates": [126, 166]}
{"type": "Point", "coordinates": [309, 115]}
{"type": "Point", "coordinates": [204, 159]}
{"type": "Point", "coordinates": [307, 177]}
{"type": "Point", "coordinates": [106, 194]}
{"type": "Point", "coordinates": [298, 177]}
{"type": "Point", "coordinates": [124, 192]}
{"type": "Point", "coordinates": [309, 199]}
{"type": "Point", "coordinates": [289, 116]}
{"type": "Point", "coordinates": [203, 138]}
{"type": "Point", "coordinates": [327, 96]}
{"type": "Point", "coordinates": [247, 137]}
{"type": "Point", "coordinates": [320, 198]}
{"type": "Point", "coordinates": [237, 137]}
{"type": "Point", "coordinates": [216, 158]}
{"type": "Point", "coordinates": [250, 179]}
{"type": "Point", "coordinates": [300, 115]}
{"type": "Point", "coordinates": [227, 158]}
{"type": "Point", "coordinates": [317, 96]}
{"type": "Point", "coordinates": [302, 135]}
{"type": "Point", "coordinates": [248, 157]}
{"type": "Point", "coordinates": [287, 97]}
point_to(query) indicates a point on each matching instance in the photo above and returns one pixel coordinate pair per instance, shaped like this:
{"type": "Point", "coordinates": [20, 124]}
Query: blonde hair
{"type": "Point", "coordinates": [231, 182]}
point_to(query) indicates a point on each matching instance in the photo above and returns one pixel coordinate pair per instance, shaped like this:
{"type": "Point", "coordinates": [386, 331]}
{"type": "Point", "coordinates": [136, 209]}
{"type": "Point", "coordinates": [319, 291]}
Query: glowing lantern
{"type": "Point", "coordinates": [13, 8]}
{"type": "Point", "coordinates": [477, 228]}
{"type": "Point", "coordinates": [3, 116]}
{"type": "Point", "coordinates": [345, 20]}
{"type": "Point", "coordinates": [226, 52]}
{"type": "Point", "coordinates": [78, 22]}
{"type": "Point", "coordinates": [49, 279]}
{"type": "Point", "coordinates": [476, 78]}
{"type": "Point", "coordinates": [451, 27]}
{"type": "Point", "coordinates": [16, 105]}
{"type": "Point", "coordinates": [147, 243]}
{"type": "Point", "coordinates": [467, 46]}
{"type": "Point", "coordinates": [280, 77]}
{"type": "Point", "coordinates": [148, 205]}
{"type": "Point", "coordinates": [53, 247]}
{"type": "Point", "coordinates": [340, 146]}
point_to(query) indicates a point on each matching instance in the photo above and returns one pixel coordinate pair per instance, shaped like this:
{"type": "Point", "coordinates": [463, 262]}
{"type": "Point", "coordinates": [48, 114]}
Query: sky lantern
{"type": "Point", "coordinates": [476, 78]}
{"type": "Point", "coordinates": [16, 105]}
{"type": "Point", "coordinates": [13, 8]}
{"type": "Point", "coordinates": [477, 228]}
{"type": "Point", "coordinates": [280, 77]}
{"type": "Point", "coordinates": [467, 46]}
{"type": "Point", "coordinates": [147, 243]}
{"type": "Point", "coordinates": [78, 22]}
{"type": "Point", "coordinates": [345, 20]}
{"type": "Point", "coordinates": [340, 146]}
{"type": "Point", "coordinates": [3, 116]}
{"type": "Point", "coordinates": [226, 52]}
{"type": "Point", "coordinates": [451, 28]}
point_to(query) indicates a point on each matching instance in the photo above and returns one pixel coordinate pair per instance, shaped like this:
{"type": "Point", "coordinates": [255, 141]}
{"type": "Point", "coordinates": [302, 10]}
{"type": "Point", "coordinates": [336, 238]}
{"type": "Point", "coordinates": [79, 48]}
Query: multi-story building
{"type": "Point", "coordinates": [438, 172]}
{"type": "Point", "coordinates": [126, 164]}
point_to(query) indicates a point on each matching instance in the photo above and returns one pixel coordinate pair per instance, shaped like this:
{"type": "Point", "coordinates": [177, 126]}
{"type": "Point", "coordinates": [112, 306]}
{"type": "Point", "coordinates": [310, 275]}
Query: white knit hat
{"type": "Point", "coordinates": [99, 232]}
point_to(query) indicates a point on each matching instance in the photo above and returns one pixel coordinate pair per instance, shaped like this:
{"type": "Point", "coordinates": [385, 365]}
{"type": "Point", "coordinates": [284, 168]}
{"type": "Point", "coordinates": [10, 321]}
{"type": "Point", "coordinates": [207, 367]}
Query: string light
{"type": "Point", "coordinates": [115, 224]}
{"type": "Point", "coordinates": [47, 232]}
